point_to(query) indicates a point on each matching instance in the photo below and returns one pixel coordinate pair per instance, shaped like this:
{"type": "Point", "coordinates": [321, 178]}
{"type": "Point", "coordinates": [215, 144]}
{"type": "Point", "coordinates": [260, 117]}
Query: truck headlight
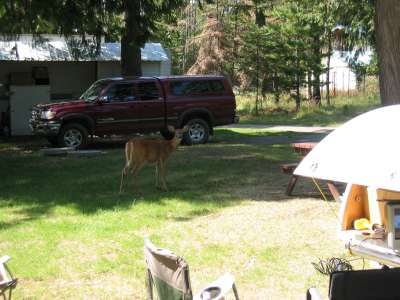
{"type": "Point", "coordinates": [47, 114]}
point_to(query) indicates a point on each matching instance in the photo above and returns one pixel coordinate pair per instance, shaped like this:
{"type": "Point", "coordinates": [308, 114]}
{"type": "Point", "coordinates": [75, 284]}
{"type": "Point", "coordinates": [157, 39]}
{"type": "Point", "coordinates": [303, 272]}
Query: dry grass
{"type": "Point", "coordinates": [267, 245]}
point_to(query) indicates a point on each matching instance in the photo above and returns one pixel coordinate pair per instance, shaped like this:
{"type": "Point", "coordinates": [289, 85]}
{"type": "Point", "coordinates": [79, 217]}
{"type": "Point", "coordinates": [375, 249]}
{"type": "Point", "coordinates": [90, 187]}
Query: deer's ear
{"type": "Point", "coordinates": [171, 128]}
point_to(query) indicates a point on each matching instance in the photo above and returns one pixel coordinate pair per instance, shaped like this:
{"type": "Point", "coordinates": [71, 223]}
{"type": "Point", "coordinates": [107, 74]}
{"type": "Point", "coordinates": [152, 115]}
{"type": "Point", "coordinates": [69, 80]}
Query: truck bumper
{"type": "Point", "coordinates": [50, 128]}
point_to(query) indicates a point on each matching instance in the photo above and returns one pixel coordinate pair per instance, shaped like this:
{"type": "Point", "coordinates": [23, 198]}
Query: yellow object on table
{"type": "Point", "coordinates": [362, 224]}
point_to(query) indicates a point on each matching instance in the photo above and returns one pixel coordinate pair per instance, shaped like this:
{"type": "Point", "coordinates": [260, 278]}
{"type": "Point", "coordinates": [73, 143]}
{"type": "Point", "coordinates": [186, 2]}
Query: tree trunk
{"type": "Point", "coordinates": [130, 48]}
{"type": "Point", "coordinates": [316, 89]}
{"type": "Point", "coordinates": [276, 89]}
{"type": "Point", "coordinates": [387, 24]}
{"type": "Point", "coordinates": [258, 79]}
{"type": "Point", "coordinates": [297, 97]}
{"type": "Point", "coordinates": [234, 55]}
{"type": "Point", "coordinates": [328, 72]}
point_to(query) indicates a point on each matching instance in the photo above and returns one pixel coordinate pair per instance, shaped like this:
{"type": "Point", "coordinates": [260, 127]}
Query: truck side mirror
{"type": "Point", "coordinates": [104, 98]}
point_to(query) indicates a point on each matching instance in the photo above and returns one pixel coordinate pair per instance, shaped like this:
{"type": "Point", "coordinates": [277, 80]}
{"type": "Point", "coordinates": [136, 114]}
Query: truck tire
{"type": "Point", "coordinates": [198, 132]}
{"type": "Point", "coordinates": [73, 135]}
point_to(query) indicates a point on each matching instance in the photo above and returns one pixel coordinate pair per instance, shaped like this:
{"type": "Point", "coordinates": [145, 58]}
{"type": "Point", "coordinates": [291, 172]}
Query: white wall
{"type": "Point", "coordinates": [108, 69]}
{"type": "Point", "coordinates": [149, 68]}
{"type": "Point", "coordinates": [71, 77]}
{"type": "Point", "coordinates": [341, 79]}
{"type": "Point", "coordinates": [23, 97]}
{"type": "Point", "coordinates": [75, 77]}
{"type": "Point", "coordinates": [165, 67]}
{"type": "Point", "coordinates": [65, 77]}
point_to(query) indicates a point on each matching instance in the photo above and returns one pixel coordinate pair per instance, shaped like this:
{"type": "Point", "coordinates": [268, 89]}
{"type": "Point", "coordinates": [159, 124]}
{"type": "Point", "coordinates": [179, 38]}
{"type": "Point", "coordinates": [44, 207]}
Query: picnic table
{"type": "Point", "coordinates": [288, 168]}
{"type": "Point", "coordinates": [303, 148]}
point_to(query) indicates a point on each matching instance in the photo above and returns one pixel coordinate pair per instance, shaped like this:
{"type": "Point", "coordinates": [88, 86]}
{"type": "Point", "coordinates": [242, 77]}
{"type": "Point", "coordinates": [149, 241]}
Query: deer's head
{"type": "Point", "coordinates": [178, 132]}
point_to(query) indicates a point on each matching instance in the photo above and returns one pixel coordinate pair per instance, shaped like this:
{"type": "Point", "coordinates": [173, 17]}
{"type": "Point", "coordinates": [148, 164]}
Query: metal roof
{"type": "Point", "coordinates": [150, 52]}
{"type": "Point", "coordinates": [60, 50]}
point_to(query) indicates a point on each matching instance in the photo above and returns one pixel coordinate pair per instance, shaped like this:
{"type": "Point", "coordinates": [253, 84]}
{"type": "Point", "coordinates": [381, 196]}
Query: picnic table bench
{"type": "Point", "coordinates": [288, 168]}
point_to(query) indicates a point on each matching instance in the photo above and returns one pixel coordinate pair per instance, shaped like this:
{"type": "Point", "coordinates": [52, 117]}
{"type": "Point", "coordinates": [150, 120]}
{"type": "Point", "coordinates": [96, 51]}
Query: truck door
{"type": "Point", "coordinates": [113, 115]}
{"type": "Point", "coordinates": [130, 107]}
{"type": "Point", "coordinates": [151, 105]}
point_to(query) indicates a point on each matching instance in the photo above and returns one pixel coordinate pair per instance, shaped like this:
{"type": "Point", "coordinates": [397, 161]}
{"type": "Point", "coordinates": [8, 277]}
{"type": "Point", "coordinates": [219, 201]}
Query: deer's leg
{"type": "Point", "coordinates": [122, 180]}
{"type": "Point", "coordinates": [124, 172]}
{"type": "Point", "coordinates": [157, 175]}
{"type": "Point", "coordinates": [135, 172]}
{"type": "Point", "coordinates": [162, 175]}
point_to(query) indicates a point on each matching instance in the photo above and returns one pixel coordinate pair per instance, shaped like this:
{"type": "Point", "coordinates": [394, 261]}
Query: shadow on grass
{"type": "Point", "coordinates": [207, 177]}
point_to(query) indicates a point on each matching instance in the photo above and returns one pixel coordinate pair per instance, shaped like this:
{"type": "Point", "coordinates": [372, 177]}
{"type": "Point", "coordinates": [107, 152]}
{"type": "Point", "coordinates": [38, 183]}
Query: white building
{"type": "Point", "coordinates": [341, 77]}
{"type": "Point", "coordinates": [33, 72]}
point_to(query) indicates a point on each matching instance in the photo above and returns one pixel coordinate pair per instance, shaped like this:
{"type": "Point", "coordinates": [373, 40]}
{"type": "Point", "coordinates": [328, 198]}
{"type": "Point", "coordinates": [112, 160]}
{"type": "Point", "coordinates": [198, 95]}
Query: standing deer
{"type": "Point", "coordinates": [138, 152]}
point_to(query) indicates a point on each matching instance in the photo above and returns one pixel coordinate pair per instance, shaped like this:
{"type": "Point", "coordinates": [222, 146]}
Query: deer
{"type": "Point", "coordinates": [139, 152]}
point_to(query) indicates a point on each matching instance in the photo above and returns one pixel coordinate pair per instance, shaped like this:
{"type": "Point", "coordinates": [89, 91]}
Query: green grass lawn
{"type": "Point", "coordinates": [342, 108]}
{"type": "Point", "coordinates": [71, 235]}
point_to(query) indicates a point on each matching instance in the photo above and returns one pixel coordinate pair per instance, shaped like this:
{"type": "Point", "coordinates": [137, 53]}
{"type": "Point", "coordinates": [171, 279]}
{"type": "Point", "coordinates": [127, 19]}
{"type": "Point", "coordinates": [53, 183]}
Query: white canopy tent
{"type": "Point", "coordinates": [364, 151]}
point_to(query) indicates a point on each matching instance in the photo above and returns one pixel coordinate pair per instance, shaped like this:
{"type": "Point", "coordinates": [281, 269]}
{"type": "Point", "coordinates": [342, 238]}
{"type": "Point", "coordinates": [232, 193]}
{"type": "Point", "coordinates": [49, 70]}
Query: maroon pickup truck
{"type": "Point", "coordinates": [118, 106]}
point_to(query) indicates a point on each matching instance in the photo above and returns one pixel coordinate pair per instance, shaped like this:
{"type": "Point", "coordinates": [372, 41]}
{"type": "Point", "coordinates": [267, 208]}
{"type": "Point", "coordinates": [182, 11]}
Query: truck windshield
{"type": "Point", "coordinates": [94, 91]}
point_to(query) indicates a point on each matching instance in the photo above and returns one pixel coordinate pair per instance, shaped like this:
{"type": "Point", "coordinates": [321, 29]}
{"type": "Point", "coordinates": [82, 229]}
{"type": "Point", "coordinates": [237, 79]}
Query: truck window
{"type": "Point", "coordinates": [183, 88]}
{"type": "Point", "coordinates": [93, 92]}
{"type": "Point", "coordinates": [216, 86]}
{"type": "Point", "coordinates": [148, 91]}
{"type": "Point", "coordinates": [121, 92]}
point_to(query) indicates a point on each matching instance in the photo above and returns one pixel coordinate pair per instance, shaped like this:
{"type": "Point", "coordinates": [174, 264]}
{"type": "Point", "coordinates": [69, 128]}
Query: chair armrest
{"type": "Point", "coordinates": [6, 278]}
{"type": "Point", "coordinates": [313, 294]}
{"type": "Point", "coordinates": [224, 283]}
{"type": "Point", "coordinates": [4, 259]}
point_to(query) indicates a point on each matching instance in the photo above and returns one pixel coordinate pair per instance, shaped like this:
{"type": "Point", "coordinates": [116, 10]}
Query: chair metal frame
{"type": "Point", "coordinates": [172, 270]}
{"type": "Point", "coordinates": [7, 280]}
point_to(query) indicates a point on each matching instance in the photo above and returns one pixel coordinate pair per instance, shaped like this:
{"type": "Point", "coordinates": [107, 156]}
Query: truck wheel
{"type": "Point", "coordinates": [198, 132]}
{"type": "Point", "coordinates": [73, 135]}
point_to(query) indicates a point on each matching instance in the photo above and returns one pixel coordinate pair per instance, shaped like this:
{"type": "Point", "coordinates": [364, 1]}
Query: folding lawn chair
{"type": "Point", "coordinates": [169, 274]}
{"type": "Point", "coordinates": [375, 284]}
{"type": "Point", "coordinates": [7, 281]}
